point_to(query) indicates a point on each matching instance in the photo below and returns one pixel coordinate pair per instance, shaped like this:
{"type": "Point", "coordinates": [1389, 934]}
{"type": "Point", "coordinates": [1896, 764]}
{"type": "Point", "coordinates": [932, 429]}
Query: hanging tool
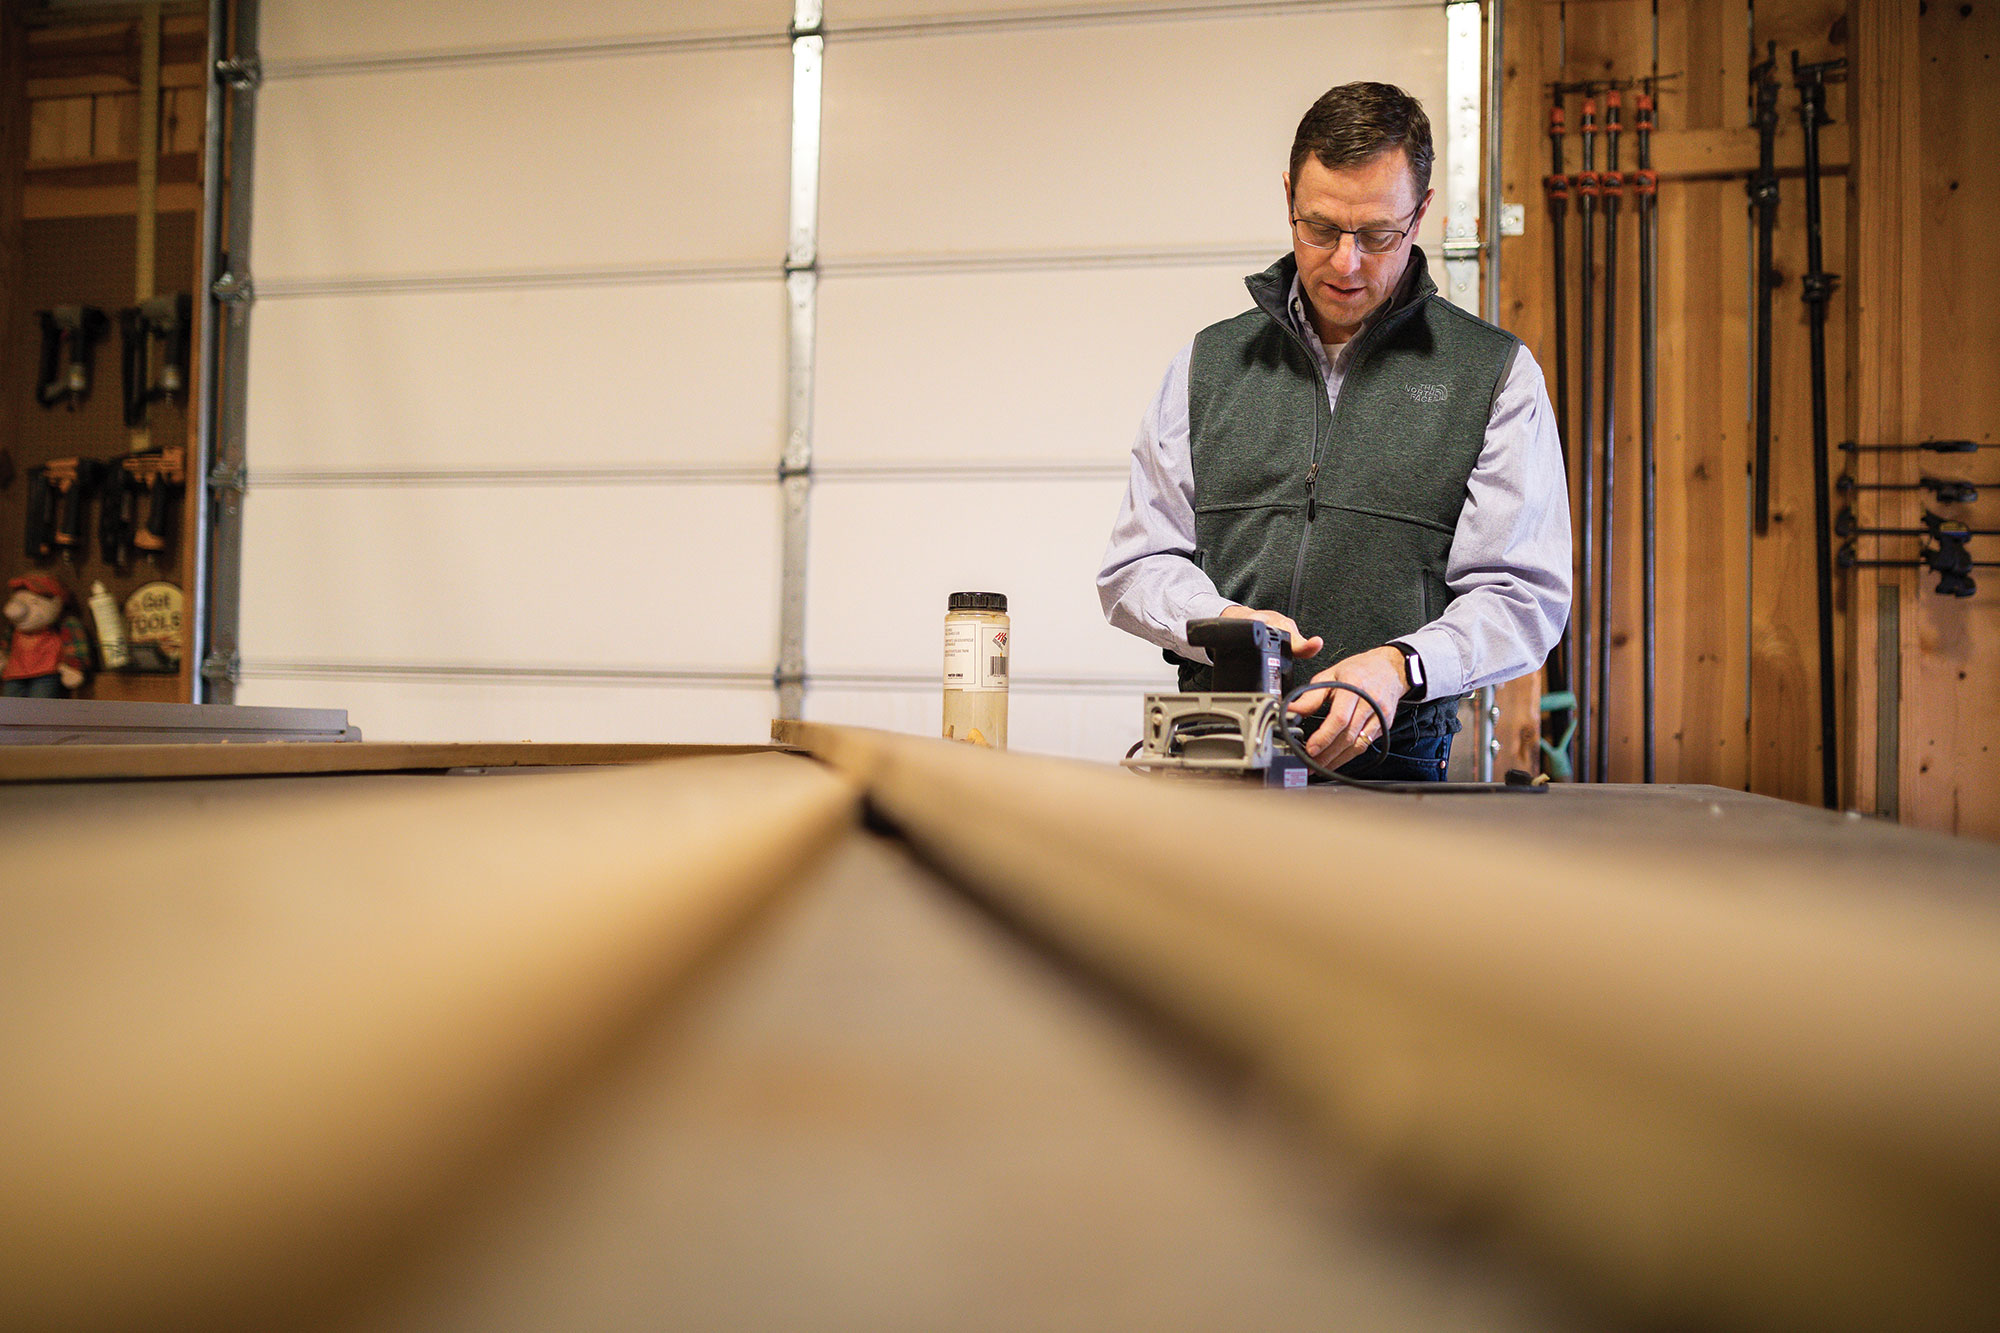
{"type": "Point", "coordinates": [1763, 190]}
{"type": "Point", "coordinates": [1585, 603]}
{"type": "Point", "coordinates": [1945, 490]}
{"type": "Point", "coordinates": [1926, 446]}
{"type": "Point", "coordinates": [1556, 750]}
{"type": "Point", "coordinates": [1561, 666]}
{"type": "Point", "coordinates": [1948, 559]}
{"type": "Point", "coordinates": [1646, 188]}
{"type": "Point", "coordinates": [118, 499]}
{"type": "Point", "coordinates": [40, 528]}
{"type": "Point", "coordinates": [1556, 186]}
{"type": "Point", "coordinates": [1818, 285]}
{"type": "Point", "coordinates": [138, 500]}
{"type": "Point", "coordinates": [1612, 190]}
{"type": "Point", "coordinates": [165, 319]}
{"type": "Point", "coordinates": [70, 334]}
{"type": "Point", "coordinates": [70, 483]}
{"type": "Point", "coordinates": [1935, 525]}
{"type": "Point", "coordinates": [161, 476]}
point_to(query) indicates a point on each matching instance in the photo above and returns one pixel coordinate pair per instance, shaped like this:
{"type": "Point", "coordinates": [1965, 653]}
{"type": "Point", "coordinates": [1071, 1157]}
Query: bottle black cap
{"type": "Point", "coordinates": [979, 601]}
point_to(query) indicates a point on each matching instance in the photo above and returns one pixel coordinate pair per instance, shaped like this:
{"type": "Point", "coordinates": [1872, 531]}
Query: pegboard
{"type": "Point", "coordinates": [90, 261]}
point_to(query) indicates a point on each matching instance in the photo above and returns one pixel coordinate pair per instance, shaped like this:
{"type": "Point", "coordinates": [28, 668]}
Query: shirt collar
{"type": "Point", "coordinates": [1295, 306]}
{"type": "Point", "coordinates": [1413, 284]}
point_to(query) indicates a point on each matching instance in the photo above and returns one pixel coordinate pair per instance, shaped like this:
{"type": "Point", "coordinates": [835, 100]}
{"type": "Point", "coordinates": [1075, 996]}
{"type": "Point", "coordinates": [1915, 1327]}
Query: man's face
{"type": "Point", "coordinates": [1345, 285]}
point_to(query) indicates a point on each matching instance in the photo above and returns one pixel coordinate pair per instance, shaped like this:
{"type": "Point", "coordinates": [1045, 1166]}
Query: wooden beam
{"type": "Point", "coordinates": [1714, 154]}
{"type": "Point", "coordinates": [245, 1054]}
{"type": "Point", "coordinates": [98, 763]}
{"type": "Point", "coordinates": [1726, 1058]}
{"type": "Point", "coordinates": [15, 350]}
{"type": "Point", "coordinates": [1883, 299]}
{"type": "Point", "coordinates": [87, 171]}
{"type": "Point", "coordinates": [41, 202]}
{"type": "Point", "coordinates": [108, 188]}
{"type": "Point", "coordinates": [83, 85]}
{"type": "Point", "coordinates": [1951, 646]}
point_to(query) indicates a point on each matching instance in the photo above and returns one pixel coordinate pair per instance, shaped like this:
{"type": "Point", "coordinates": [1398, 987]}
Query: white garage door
{"type": "Point", "coordinates": [518, 387]}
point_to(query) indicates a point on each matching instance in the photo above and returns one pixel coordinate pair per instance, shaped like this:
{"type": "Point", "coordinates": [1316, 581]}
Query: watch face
{"type": "Point", "coordinates": [1413, 666]}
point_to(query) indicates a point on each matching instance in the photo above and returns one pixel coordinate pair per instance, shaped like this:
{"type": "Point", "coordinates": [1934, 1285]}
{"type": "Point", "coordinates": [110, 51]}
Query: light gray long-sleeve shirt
{"type": "Point", "coordinates": [1509, 566]}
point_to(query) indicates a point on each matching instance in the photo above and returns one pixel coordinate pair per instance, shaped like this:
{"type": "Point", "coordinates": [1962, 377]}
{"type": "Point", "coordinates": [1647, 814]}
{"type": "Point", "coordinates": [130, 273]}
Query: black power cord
{"type": "Point", "coordinates": [1297, 747]}
{"type": "Point", "coordinates": [1304, 756]}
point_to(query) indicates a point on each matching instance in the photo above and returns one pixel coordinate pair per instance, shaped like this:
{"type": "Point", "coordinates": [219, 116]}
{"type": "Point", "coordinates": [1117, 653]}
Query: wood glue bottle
{"type": "Point", "coordinates": [975, 669]}
{"type": "Point", "coordinates": [110, 629]}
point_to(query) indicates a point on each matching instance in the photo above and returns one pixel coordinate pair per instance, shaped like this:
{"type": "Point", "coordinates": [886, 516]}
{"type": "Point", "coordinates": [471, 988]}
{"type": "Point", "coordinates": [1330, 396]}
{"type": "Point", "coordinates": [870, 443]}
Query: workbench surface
{"type": "Point", "coordinates": [873, 1032]}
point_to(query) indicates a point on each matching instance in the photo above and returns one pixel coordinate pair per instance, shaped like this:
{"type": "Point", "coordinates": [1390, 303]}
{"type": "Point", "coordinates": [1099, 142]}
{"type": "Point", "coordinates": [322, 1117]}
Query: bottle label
{"type": "Point", "coordinates": [975, 657]}
{"type": "Point", "coordinates": [110, 629]}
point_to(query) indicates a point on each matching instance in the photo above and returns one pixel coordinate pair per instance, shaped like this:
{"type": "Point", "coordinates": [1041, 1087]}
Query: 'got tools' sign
{"type": "Point", "coordinates": [153, 627]}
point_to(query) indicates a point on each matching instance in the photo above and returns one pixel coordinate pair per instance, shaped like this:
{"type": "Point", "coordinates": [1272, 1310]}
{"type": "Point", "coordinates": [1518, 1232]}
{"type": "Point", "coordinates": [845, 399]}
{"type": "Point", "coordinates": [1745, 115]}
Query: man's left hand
{"type": "Point", "coordinates": [1350, 725]}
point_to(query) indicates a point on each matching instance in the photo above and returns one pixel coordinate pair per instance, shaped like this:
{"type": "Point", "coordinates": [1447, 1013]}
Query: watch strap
{"type": "Point", "coordinates": [1413, 667]}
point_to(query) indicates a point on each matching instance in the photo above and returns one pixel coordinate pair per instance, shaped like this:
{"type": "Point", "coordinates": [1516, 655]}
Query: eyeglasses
{"type": "Point", "coordinates": [1369, 240]}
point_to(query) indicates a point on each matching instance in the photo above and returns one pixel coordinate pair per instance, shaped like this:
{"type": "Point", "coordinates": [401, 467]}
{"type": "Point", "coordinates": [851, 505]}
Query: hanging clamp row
{"type": "Point", "coordinates": [1949, 559]}
{"type": "Point", "coordinates": [1946, 550]}
{"type": "Point", "coordinates": [1945, 490]}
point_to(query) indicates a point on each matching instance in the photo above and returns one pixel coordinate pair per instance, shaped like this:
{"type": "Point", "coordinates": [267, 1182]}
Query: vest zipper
{"type": "Point", "coordinates": [1312, 484]}
{"type": "Point", "coordinates": [1333, 418]}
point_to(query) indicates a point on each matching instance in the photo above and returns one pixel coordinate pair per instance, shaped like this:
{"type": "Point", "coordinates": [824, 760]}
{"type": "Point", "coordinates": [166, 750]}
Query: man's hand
{"type": "Point", "coordinates": [1302, 647]}
{"type": "Point", "coordinates": [1350, 725]}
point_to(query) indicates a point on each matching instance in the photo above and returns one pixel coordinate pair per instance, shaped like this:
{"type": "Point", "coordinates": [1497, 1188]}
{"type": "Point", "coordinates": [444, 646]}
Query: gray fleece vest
{"type": "Point", "coordinates": [1354, 548]}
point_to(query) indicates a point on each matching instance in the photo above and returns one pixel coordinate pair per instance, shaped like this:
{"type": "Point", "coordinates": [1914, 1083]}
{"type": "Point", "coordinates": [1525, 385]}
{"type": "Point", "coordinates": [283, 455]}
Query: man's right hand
{"type": "Point", "coordinates": [1302, 647]}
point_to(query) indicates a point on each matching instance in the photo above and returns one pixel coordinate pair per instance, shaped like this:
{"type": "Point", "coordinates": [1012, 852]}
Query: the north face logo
{"type": "Point", "coordinates": [1430, 393]}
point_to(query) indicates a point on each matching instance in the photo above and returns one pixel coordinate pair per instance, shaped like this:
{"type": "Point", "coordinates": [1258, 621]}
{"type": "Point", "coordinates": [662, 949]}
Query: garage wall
{"type": "Point", "coordinates": [518, 370]}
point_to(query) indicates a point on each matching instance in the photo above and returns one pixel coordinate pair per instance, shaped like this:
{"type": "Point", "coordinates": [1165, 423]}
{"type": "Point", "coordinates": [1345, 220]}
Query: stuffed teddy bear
{"type": "Point", "coordinates": [47, 650]}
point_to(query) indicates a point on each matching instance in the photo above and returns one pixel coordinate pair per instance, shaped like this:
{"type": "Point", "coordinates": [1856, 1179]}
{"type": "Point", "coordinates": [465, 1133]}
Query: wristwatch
{"type": "Point", "coordinates": [1413, 666]}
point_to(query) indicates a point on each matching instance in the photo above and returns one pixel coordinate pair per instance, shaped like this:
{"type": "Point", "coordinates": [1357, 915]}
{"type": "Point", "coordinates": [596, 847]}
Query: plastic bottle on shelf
{"type": "Point", "coordinates": [976, 633]}
{"type": "Point", "coordinates": [110, 629]}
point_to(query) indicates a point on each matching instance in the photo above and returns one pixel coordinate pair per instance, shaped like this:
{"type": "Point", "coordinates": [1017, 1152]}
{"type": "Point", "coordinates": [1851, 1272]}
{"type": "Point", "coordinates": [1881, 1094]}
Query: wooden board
{"type": "Point", "coordinates": [593, 1049]}
{"type": "Point", "coordinates": [1951, 648]}
{"type": "Point", "coordinates": [1716, 1057]}
{"type": "Point", "coordinates": [1883, 254]}
{"type": "Point", "coordinates": [887, 1110]}
{"type": "Point", "coordinates": [263, 1045]}
{"type": "Point", "coordinates": [98, 763]}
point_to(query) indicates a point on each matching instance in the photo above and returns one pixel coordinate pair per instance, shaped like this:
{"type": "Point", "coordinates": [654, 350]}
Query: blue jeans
{"type": "Point", "coordinates": [1419, 747]}
{"type": "Point", "coordinates": [37, 687]}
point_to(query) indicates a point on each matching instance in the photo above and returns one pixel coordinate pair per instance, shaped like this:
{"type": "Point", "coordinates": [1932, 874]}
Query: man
{"type": "Point", "coordinates": [1354, 461]}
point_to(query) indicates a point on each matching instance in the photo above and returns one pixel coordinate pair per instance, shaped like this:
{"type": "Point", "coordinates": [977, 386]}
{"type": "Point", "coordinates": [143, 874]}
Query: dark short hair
{"type": "Point", "coordinates": [1356, 122]}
